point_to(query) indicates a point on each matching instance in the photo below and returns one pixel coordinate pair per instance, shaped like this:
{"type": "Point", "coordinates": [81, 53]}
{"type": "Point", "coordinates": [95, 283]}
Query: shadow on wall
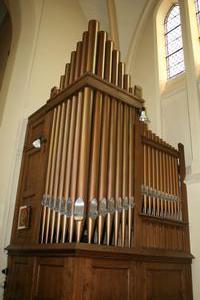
{"type": "Point", "coordinates": [6, 48]}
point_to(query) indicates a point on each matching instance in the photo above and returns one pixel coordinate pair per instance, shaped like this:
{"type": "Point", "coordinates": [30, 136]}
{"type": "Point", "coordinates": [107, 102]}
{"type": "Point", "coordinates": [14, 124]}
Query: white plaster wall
{"type": "Point", "coordinates": [193, 190]}
{"type": "Point", "coordinates": [61, 27]}
{"type": "Point", "coordinates": [144, 74]}
{"type": "Point", "coordinates": [45, 33]}
{"type": "Point", "coordinates": [128, 13]}
{"type": "Point", "coordinates": [198, 84]}
{"type": "Point", "coordinates": [175, 121]}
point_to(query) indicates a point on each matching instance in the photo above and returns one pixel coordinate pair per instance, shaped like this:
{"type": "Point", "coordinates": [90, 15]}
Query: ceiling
{"type": "Point", "coordinates": [128, 15]}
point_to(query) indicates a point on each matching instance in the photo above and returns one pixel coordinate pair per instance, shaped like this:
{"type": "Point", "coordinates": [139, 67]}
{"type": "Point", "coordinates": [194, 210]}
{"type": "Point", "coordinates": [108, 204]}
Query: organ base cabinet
{"type": "Point", "coordinates": [101, 209]}
{"type": "Point", "coordinates": [92, 272]}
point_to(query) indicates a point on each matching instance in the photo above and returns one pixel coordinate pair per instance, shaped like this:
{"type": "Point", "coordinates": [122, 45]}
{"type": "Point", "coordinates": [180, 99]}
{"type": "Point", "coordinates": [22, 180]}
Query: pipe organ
{"type": "Point", "coordinates": [101, 210]}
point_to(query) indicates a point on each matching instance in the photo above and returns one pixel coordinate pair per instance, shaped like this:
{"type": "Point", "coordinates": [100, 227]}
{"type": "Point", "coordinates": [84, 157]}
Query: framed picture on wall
{"type": "Point", "coordinates": [24, 217]}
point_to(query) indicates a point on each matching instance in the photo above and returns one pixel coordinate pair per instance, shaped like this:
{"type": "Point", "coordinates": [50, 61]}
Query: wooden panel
{"type": "Point", "coordinates": [85, 278]}
{"type": "Point", "coordinates": [31, 182]}
{"type": "Point", "coordinates": [112, 280]}
{"type": "Point", "coordinates": [20, 278]}
{"type": "Point", "coordinates": [78, 278]}
{"type": "Point", "coordinates": [164, 285]}
{"type": "Point", "coordinates": [163, 235]}
{"type": "Point", "coordinates": [165, 281]}
{"type": "Point", "coordinates": [110, 284]}
{"type": "Point", "coordinates": [49, 279]}
{"type": "Point", "coordinates": [35, 130]}
{"type": "Point", "coordinates": [32, 167]}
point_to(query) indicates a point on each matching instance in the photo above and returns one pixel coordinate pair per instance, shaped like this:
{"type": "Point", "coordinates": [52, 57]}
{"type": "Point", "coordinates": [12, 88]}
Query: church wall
{"type": "Point", "coordinates": [175, 120]}
{"type": "Point", "coordinates": [61, 27]}
{"type": "Point", "coordinates": [45, 33]}
{"type": "Point", "coordinates": [193, 190]}
{"type": "Point", "coordinates": [144, 73]}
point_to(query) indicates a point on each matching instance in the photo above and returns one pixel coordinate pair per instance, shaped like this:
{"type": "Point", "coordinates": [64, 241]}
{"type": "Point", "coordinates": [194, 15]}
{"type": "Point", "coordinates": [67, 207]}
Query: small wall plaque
{"type": "Point", "coordinates": [24, 217]}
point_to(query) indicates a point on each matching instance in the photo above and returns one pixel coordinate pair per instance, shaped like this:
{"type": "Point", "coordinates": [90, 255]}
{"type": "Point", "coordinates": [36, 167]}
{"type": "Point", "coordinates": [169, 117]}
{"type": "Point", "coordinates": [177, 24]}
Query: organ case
{"type": "Point", "coordinates": [105, 196]}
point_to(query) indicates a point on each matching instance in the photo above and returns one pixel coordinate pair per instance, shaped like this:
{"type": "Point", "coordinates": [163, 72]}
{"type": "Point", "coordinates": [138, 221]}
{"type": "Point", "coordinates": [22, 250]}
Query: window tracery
{"type": "Point", "coordinates": [174, 43]}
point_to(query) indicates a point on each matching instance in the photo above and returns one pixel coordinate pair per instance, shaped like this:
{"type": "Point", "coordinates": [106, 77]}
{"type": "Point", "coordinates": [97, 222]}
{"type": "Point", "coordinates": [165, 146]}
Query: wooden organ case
{"type": "Point", "coordinates": [101, 209]}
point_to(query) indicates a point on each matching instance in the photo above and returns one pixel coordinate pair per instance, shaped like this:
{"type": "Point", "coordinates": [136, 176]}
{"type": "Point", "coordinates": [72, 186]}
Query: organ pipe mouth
{"type": "Point", "coordinates": [143, 116]}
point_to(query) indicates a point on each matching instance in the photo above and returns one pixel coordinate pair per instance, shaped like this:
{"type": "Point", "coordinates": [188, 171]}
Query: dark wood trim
{"type": "Point", "coordinates": [95, 82]}
{"type": "Point", "coordinates": [184, 195]}
{"type": "Point", "coordinates": [164, 221]}
{"type": "Point", "coordinates": [99, 251]}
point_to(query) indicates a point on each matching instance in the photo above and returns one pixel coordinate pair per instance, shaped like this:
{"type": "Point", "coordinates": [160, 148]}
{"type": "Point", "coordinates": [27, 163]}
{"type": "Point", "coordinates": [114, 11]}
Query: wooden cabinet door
{"type": "Point", "coordinates": [49, 280]}
{"type": "Point", "coordinates": [20, 277]}
{"type": "Point", "coordinates": [32, 177]}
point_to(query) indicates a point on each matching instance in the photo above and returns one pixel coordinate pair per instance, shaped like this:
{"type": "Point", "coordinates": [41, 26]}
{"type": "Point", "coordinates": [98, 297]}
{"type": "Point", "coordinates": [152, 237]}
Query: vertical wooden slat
{"type": "Point", "coordinates": [175, 186]}
{"type": "Point", "coordinates": [167, 184]}
{"type": "Point", "coordinates": [77, 135]}
{"type": "Point", "coordinates": [67, 72]}
{"type": "Point", "coordinates": [157, 178]}
{"type": "Point", "coordinates": [131, 174]}
{"type": "Point", "coordinates": [92, 46]}
{"type": "Point", "coordinates": [112, 152]}
{"type": "Point", "coordinates": [75, 161]}
{"type": "Point", "coordinates": [86, 123]}
{"type": "Point", "coordinates": [63, 165]}
{"type": "Point", "coordinates": [121, 75]}
{"type": "Point", "coordinates": [51, 184]}
{"type": "Point", "coordinates": [171, 186]}
{"type": "Point", "coordinates": [77, 70]}
{"type": "Point", "coordinates": [161, 181]}
{"type": "Point", "coordinates": [145, 174]}
{"type": "Point", "coordinates": [125, 173]}
{"type": "Point", "coordinates": [149, 177]}
{"type": "Point", "coordinates": [131, 90]}
{"type": "Point", "coordinates": [104, 155]}
{"type": "Point", "coordinates": [108, 61]}
{"type": "Point", "coordinates": [103, 177]}
{"type": "Point", "coordinates": [62, 82]}
{"type": "Point", "coordinates": [47, 183]}
{"type": "Point", "coordinates": [101, 48]}
{"type": "Point", "coordinates": [96, 133]}
{"type": "Point", "coordinates": [153, 172]}
{"type": "Point", "coordinates": [57, 171]}
{"type": "Point", "coordinates": [183, 199]}
{"type": "Point", "coordinates": [72, 67]}
{"type": "Point", "coordinates": [164, 182]}
{"type": "Point", "coordinates": [69, 162]}
{"type": "Point", "coordinates": [119, 167]}
{"type": "Point", "coordinates": [112, 164]}
{"type": "Point", "coordinates": [138, 176]}
{"type": "Point", "coordinates": [175, 165]}
{"type": "Point", "coordinates": [126, 82]}
{"type": "Point", "coordinates": [84, 53]}
{"type": "Point", "coordinates": [120, 67]}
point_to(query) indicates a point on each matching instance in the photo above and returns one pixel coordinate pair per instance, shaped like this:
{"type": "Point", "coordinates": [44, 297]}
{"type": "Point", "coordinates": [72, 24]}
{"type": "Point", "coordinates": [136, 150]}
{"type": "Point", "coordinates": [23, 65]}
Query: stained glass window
{"type": "Point", "coordinates": [174, 43]}
{"type": "Point", "coordinates": [197, 5]}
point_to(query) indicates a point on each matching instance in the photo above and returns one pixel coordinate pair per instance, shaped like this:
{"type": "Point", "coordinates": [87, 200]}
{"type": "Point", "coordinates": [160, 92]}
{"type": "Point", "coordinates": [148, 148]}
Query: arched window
{"type": "Point", "coordinates": [197, 5]}
{"type": "Point", "coordinates": [174, 43]}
